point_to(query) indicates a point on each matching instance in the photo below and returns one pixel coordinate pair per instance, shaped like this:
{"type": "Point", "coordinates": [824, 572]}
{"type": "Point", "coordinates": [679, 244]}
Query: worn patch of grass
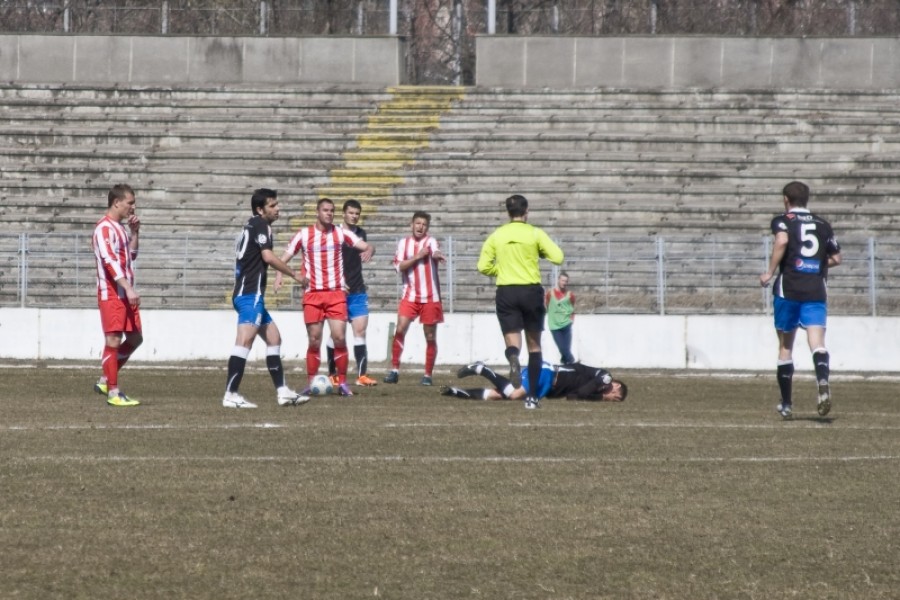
{"type": "Point", "coordinates": [694, 488]}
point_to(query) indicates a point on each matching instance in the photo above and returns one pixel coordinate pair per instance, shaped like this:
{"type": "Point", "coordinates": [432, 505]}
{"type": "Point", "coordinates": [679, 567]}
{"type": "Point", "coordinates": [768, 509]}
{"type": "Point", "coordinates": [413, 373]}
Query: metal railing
{"type": "Point", "coordinates": [609, 274]}
{"type": "Point", "coordinates": [379, 17]}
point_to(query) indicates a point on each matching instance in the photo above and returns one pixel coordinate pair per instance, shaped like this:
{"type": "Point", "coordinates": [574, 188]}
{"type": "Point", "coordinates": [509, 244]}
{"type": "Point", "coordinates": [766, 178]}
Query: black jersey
{"type": "Point", "coordinates": [353, 273]}
{"type": "Point", "coordinates": [804, 268]}
{"type": "Point", "coordinates": [580, 382]}
{"type": "Point", "coordinates": [249, 267]}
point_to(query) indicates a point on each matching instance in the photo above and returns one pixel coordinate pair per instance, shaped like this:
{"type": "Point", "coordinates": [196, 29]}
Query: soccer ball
{"type": "Point", "coordinates": [320, 386]}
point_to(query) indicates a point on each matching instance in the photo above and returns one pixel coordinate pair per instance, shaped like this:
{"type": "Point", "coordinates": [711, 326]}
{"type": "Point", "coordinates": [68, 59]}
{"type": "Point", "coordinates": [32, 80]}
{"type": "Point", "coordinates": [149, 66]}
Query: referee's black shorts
{"type": "Point", "coordinates": [520, 307]}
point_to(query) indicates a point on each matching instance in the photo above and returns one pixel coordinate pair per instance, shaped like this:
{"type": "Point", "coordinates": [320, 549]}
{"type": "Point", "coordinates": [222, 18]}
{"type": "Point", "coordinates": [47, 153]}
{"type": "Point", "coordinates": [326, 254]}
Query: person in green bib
{"type": "Point", "coordinates": [560, 303]}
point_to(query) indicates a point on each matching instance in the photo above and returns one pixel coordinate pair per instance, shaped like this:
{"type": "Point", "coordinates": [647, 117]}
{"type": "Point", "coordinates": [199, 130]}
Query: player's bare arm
{"type": "Point", "coordinates": [281, 266]}
{"type": "Point", "coordinates": [279, 275]}
{"type": "Point", "coordinates": [366, 250]}
{"type": "Point", "coordinates": [134, 225]}
{"type": "Point", "coordinates": [409, 263]}
{"type": "Point", "coordinates": [834, 260]}
{"type": "Point", "coordinates": [406, 265]}
{"type": "Point", "coordinates": [780, 247]}
{"type": "Point", "coordinates": [134, 299]}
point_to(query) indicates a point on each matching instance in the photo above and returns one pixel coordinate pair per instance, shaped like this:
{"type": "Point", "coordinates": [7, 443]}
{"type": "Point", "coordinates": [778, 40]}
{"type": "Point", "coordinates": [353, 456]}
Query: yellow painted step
{"type": "Point", "coordinates": [399, 128]}
{"type": "Point", "coordinates": [338, 180]}
{"type": "Point", "coordinates": [408, 87]}
{"type": "Point", "coordinates": [375, 157]}
{"type": "Point", "coordinates": [369, 171]}
{"type": "Point", "coordinates": [385, 142]}
{"type": "Point", "coordinates": [391, 129]}
{"type": "Point", "coordinates": [373, 176]}
{"type": "Point", "coordinates": [380, 164]}
{"type": "Point", "coordinates": [413, 123]}
{"type": "Point", "coordinates": [417, 106]}
{"type": "Point", "coordinates": [398, 136]}
{"type": "Point", "coordinates": [308, 218]}
{"type": "Point", "coordinates": [347, 191]}
{"type": "Point", "coordinates": [441, 91]}
{"type": "Point", "coordinates": [412, 110]}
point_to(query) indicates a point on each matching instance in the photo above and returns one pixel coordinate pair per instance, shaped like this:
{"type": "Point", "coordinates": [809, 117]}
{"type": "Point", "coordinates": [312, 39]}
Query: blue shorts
{"type": "Point", "coordinates": [545, 381]}
{"type": "Point", "coordinates": [357, 305]}
{"type": "Point", "coordinates": [790, 314]}
{"type": "Point", "coordinates": [251, 310]}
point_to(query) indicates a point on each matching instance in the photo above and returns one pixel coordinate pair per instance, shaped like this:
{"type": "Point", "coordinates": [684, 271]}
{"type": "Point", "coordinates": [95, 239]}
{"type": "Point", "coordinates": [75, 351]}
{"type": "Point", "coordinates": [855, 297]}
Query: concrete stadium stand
{"type": "Point", "coordinates": [657, 62]}
{"type": "Point", "coordinates": [86, 59]}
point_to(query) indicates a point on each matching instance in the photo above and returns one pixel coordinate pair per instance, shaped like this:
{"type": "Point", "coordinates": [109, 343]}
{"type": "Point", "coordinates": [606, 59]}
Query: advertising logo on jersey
{"type": "Point", "coordinates": [807, 265]}
{"type": "Point", "coordinates": [324, 247]}
{"type": "Point", "coordinates": [261, 239]}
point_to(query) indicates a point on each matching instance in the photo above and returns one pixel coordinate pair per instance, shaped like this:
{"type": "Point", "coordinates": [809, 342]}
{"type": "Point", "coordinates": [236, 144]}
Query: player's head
{"type": "Point", "coordinates": [563, 280]}
{"type": "Point", "coordinates": [260, 198]}
{"type": "Point", "coordinates": [797, 194]}
{"type": "Point", "coordinates": [352, 212]}
{"type": "Point", "coordinates": [118, 192]}
{"type": "Point", "coordinates": [325, 211]}
{"type": "Point", "coordinates": [420, 223]}
{"type": "Point", "coordinates": [617, 391]}
{"type": "Point", "coordinates": [516, 206]}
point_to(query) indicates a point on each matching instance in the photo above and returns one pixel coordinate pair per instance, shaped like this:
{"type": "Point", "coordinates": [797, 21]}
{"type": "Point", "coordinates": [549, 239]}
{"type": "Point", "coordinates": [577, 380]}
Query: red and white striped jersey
{"type": "Point", "coordinates": [323, 262]}
{"type": "Point", "coordinates": [115, 259]}
{"type": "Point", "coordinates": [421, 282]}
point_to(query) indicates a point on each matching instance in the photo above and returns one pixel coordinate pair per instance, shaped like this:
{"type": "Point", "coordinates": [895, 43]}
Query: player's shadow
{"type": "Point", "coordinates": [816, 419]}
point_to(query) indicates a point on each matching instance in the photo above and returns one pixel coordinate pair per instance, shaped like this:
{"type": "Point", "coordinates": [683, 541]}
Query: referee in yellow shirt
{"type": "Point", "coordinates": [511, 254]}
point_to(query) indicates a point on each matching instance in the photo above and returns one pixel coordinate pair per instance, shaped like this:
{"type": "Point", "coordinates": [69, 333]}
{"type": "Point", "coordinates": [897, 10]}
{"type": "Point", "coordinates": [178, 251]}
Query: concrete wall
{"type": "Point", "coordinates": [653, 62]}
{"type": "Point", "coordinates": [614, 341]}
{"type": "Point", "coordinates": [86, 59]}
{"type": "Point", "coordinates": [502, 61]}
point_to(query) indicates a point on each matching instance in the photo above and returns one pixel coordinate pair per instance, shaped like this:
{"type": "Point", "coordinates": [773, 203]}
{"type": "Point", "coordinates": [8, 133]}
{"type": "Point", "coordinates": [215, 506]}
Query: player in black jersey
{"type": "Point", "coordinates": [804, 249]}
{"type": "Point", "coordinates": [573, 382]}
{"type": "Point", "coordinates": [357, 298]}
{"type": "Point", "coordinates": [253, 256]}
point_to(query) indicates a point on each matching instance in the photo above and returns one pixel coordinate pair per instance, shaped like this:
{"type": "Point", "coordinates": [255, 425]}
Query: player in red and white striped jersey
{"type": "Point", "coordinates": [417, 260]}
{"type": "Point", "coordinates": [115, 250]}
{"type": "Point", "coordinates": [321, 248]}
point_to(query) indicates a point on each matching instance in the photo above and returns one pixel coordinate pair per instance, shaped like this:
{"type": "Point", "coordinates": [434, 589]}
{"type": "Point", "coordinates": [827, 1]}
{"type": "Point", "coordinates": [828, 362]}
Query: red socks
{"type": "Point", "coordinates": [110, 363]}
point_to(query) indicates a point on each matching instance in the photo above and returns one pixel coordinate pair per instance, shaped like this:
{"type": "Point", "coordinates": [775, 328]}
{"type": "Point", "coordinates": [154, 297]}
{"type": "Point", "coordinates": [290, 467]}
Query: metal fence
{"type": "Point", "coordinates": [609, 274]}
{"type": "Point", "coordinates": [373, 17]}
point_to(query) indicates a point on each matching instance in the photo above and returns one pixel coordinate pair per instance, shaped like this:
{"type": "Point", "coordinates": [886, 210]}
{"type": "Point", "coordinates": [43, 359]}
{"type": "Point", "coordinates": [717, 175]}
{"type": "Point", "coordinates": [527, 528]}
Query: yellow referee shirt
{"type": "Point", "coordinates": [512, 251]}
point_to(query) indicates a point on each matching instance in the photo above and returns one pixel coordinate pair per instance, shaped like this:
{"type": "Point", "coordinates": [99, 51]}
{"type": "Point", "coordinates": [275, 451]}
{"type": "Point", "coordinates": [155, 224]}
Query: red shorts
{"type": "Point", "coordinates": [318, 306]}
{"type": "Point", "coordinates": [117, 316]}
{"type": "Point", "coordinates": [429, 313]}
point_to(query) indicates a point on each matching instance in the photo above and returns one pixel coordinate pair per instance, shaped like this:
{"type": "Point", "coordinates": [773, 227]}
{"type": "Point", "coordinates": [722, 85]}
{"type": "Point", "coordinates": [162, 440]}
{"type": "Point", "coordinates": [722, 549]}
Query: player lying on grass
{"type": "Point", "coordinates": [572, 382]}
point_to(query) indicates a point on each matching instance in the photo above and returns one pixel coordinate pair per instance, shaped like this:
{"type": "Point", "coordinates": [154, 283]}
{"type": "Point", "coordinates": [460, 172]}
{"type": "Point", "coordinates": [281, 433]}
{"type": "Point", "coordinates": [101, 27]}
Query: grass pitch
{"type": "Point", "coordinates": [693, 488]}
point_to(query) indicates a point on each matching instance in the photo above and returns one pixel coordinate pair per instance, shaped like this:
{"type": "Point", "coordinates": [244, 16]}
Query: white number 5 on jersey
{"type": "Point", "coordinates": [808, 236]}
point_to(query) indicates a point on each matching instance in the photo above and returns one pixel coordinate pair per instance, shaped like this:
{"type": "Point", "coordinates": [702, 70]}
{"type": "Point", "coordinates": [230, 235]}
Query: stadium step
{"type": "Point", "coordinates": [399, 128]}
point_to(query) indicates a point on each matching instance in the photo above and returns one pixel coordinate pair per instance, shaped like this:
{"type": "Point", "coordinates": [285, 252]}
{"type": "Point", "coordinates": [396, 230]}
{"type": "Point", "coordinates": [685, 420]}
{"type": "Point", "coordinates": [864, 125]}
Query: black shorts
{"type": "Point", "coordinates": [520, 307]}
